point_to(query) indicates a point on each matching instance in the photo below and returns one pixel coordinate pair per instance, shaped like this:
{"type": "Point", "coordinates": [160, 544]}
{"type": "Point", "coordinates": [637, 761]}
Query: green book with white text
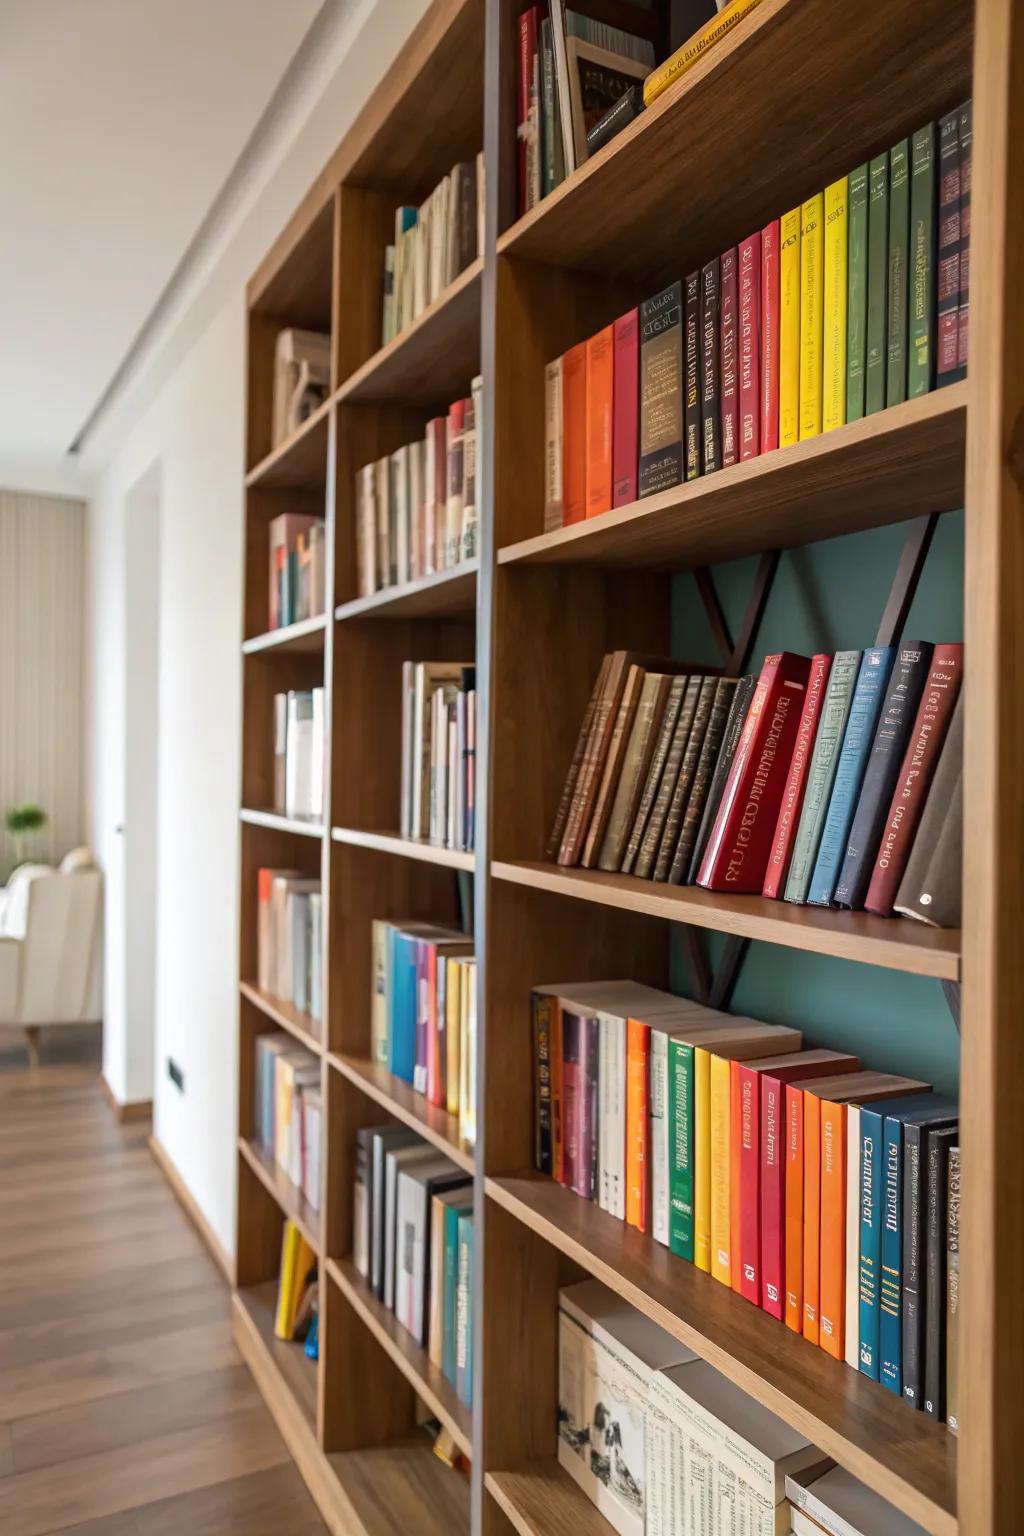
{"type": "Point", "coordinates": [857, 292]}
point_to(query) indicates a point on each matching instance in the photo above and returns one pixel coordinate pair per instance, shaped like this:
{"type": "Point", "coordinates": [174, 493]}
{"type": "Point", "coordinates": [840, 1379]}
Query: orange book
{"type": "Point", "coordinates": [638, 1044]}
{"type": "Point", "coordinates": [574, 434]}
{"type": "Point", "coordinates": [832, 1282]}
{"type": "Point", "coordinates": [812, 1214]}
{"type": "Point", "coordinates": [794, 1255]}
{"type": "Point", "coordinates": [600, 355]}
{"type": "Point", "coordinates": [735, 1160]}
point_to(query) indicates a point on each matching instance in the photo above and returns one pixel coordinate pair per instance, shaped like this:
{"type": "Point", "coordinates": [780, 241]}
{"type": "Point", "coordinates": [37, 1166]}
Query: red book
{"type": "Point", "coordinates": [770, 336]}
{"type": "Point", "coordinates": [527, 52]}
{"type": "Point", "coordinates": [599, 422]}
{"type": "Point", "coordinates": [796, 780]}
{"type": "Point", "coordinates": [626, 408]}
{"type": "Point", "coordinates": [749, 347]}
{"type": "Point", "coordinates": [572, 1030]}
{"type": "Point", "coordinates": [736, 856]}
{"type": "Point", "coordinates": [727, 358]}
{"type": "Point", "coordinates": [918, 766]}
{"type": "Point", "coordinates": [638, 1049]}
{"type": "Point", "coordinates": [574, 434]}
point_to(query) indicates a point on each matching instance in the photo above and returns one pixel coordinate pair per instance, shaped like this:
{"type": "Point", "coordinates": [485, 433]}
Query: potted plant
{"type": "Point", "coordinates": [20, 820]}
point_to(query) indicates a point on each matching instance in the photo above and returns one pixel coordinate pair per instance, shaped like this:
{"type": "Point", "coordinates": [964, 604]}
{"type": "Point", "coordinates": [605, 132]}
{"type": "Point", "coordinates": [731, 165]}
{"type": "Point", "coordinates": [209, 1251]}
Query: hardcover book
{"type": "Point", "coordinates": [789, 328]}
{"type": "Point", "coordinates": [612, 773]}
{"type": "Point", "coordinates": [661, 391]}
{"type": "Point", "coordinates": [940, 1143]}
{"type": "Point", "coordinates": [921, 276]}
{"type": "Point", "coordinates": [599, 421]}
{"type": "Point", "coordinates": [625, 407]}
{"type": "Point", "coordinates": [572, 777]}
{"type": "Point", "coordinates": [711, 431]}
{"type": "Point", "coordinates": [639, 751]}
{"type": "Point", "coordinates": [750, 346]}
{"type": "Point", "coordinates": [574, 434]}
{"type": "Point", "coordinates": [770, 336]}
{"type": "Point", "coordinates": [684, 780]}
{"type": "Point", "coordinates": [833, 344]}
{"type": "Point", "coordinates": [857, 293]}
{"type": "Point", "coordinates": [878, 284]}
{"type": "Point", "coordinates": [553, 446]}
{"type": "Point", "coordinates": [899, 240]}
{"type": "Point", "coordinates": [953, 1290]}
{"type": "Point", "coordinates": [742, 695]}
{"type": "Point", "coordinates": [725, 688]}
{"type": "Point", "coordinates": [820, 776]}
{"type": "Point", "coordinates": [692, 362]}
{"type": "Point", "coordinates": [963, 318]}
{"type": "Point", "coordinates": [796, 778]}
{"type": "Point", "coordinates": [947, 270]}
{"type": "Point", "coordinates": [652, 836]}
{"type": "Point", "coordinates": [652, 783]}
{"type": "Point", "coordinates": [727, 357]}
{"type": "Point", "coordinates": [812, 251]}
{"type": "Point", "coordinates": [930, 888]}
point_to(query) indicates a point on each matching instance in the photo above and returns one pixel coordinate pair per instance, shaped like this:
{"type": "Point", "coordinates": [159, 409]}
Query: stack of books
{"type": "Point", "coordinates": [302, 380]}
{"type": "Point", "coordinates": [299, 753]}
{"type": "Point", "coordinates": [854, 301]}
{"type": "Point", "coordinates": [826, 1194]}
{"type": "Point", "coordinates": [433, 244]}
{"type": "Point", "coordinates": [289, 939]}
{"type": "Point", "coordinates": [439, 752]}
{"type": "Point", "coordinates": [297, 568]}
{"type": "Point", "coordinates": [297, 1313]}
{"type": "Point", "coordinates": [834, 1502]}
{"type": "Point", "coordinates": [423, 1013]}
{"type": "Point", "coordinates": [412, 1242]}
{"type": "Point", "coordinates": [833, 780]}
{"type": "Point", "coordinates": [288, 1113]}
{"type": "Point", "coordinates": [416, 509]}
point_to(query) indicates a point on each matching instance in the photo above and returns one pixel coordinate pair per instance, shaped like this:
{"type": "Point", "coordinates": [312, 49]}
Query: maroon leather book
{"type": "Point", "coordinates": [727, 360]}
{"type": "Point", "coordinates": [625, 407]}
{"type": "Point", "coordinates": [930, 726]}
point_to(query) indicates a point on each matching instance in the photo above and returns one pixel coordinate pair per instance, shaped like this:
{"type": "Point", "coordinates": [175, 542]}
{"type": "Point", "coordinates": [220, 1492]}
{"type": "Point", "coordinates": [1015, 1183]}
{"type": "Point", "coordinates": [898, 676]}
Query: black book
{"type": "Point", "coordinates": [542, 1007]}
{"type": "Point", "coordinates": [661, 391]}
{"type": "Point", "coordinates": [684, 780]}
{"type": "Point", "coordinates": [915, 1208]}
{"type": "Point", "coordinates": [906, 685]}
{"type": "Point", "coordinates": [590, 1088]}
{"type": "Point", "coordinates": [710, 751]}
{"type": "Point", "coordinates": [691, 369]}
{"type": "Point", "coordinates": [710, 367]}
{"type": "Point", "coordinates": [730, 741]}
{"type": "Point", "coordinates": [930, 888]}
{"type": "Point", "coordinates": [939, 1144]}
{"type": "Point", "coordinates": [629, 105]}
{"type": "Point", "coordinates": [673, 704]}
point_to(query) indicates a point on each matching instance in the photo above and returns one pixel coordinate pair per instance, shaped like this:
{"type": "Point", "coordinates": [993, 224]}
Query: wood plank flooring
{"type": "Point", "coordinates": [124, 1407]}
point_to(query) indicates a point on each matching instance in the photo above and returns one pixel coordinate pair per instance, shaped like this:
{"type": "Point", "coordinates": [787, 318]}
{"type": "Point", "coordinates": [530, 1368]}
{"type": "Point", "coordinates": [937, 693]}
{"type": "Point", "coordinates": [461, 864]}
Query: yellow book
{"type": "Point", "coordinates": [833, 340]}
{"type": "Point", "coordinates": [811, 244]}
{"type": "Point", "coordinates": [695, 48]}
{"type": "Point", "coordinates": [467, 1054]}
{"type": "Point", "coordinates": [453, 1031]}
{"type": "Point", "coordinates": [721, 1250]}
{"type": "Point", "coordinates": [286, 1287]}
{"type": "Point", "coordinates": [789, 328]}
{"type": "Point", "coordinates": [702, 1159]}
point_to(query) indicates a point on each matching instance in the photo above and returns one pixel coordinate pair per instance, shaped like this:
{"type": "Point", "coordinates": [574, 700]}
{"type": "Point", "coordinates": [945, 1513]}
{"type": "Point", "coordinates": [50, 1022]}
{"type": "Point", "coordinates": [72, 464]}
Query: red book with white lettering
{"type": "Point", "coordinates": [625, 408]}
{"type": "Point", "coordinates": [796, 779]}
{"type": "Point", "coordinates": [750, 347]}
{"type": "Point", "coordinates": [770, 336]}
{"type": "Point", "coordinates": [727, 356]}
{"type": "Point", "coordinates": [736, 856]}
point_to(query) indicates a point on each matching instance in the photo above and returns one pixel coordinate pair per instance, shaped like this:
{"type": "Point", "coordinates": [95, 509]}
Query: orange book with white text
{"type": "Point", "coordinates": [600, 358]}
{"type": "Point", "coordinates": [832, 1229]}
{"type": "Point", "coordinates": [574, 434]}
{"type": "Point", "coordinates": [638, 1039]}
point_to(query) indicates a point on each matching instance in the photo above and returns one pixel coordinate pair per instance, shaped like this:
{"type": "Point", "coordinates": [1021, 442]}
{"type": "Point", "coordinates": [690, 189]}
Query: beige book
{"type": "Point", "coordinates": [637, 761]}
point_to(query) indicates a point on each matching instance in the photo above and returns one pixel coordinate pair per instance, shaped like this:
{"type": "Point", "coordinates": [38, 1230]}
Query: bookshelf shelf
{"type": "Point", "coordinates": [414, 1109]}
{"type": "Point", "coordinates": [541, 1499]}
{"type": "Point", "coordinates": [300, 462]}
{"type": "Point", "coordinates": [301, 1025]}
{"type": "Point", "coordinates": [412, 1360]}
{"type": "Point", "coordinates": [905, 1456]}
{"type": "Point", "coordinates": [886, 468]}
{"type": "Point", "coordinates": [896, 944]}
{"type": "Point", "coordinates": [306, 635]}
{"type": "Point", "coordinates": [445, 594]}
{"type": "Point", "coordinates": [290, 1199]}
{"type": "Point", "coordinates": [405, 848]}
{"type": "Point", "coordinates": [255, 1309]}
{"type": "Point", "coordinates": [274, 822]}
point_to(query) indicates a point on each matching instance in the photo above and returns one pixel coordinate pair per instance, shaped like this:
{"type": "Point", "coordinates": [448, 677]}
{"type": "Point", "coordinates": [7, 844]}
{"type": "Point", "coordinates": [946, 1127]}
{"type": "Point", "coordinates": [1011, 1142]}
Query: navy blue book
{"type": "Point", "coordinates": [940, 1140]}
{"type": "Point", "coordinates": [906, 684]}
{"type": "Point", "coordinates": [861, 724]}
{"type": "Point", "coordinates": [915, 1211]}
{"type": "Point", "coordinates": [402, 1020]}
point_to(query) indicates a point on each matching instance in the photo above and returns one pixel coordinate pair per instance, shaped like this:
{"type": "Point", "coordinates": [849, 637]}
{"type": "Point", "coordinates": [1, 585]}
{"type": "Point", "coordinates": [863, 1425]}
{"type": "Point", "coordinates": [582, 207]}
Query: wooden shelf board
{"type": "Point", "coordinates": [445, 594]}
{"type": "Point", "coordinates": [288, 1196]}
{"type": "Point", "coordinates": [306, 635]}
{"type": "Point", "coordinates": [886, 468]}
{"type": "Point", "coordinates": [907, 1457]}
{"type": "Point", "coordinates": [275, 822]}
{"type": "Point", "coordinates": [258, 1304]}
{"type": "Point", "coordinates": [412, 1360]}
{"type": "Point", "coordinates": [303, 1026]}
{"type": "Point", "coordinates": [896, 944]}
{"type": "Point", "coordinates": [851, 80]}
{"type": "Point", "coordinates": [405, 847]}
{"type": "Point", "coordinates": [541, 1499]}
{"type": "Point", "coordinates": [414, 1109]}
{"type": "Point", "coordinates": [433, 360]}
{"type": "Point", "coordinates": [300, 461]}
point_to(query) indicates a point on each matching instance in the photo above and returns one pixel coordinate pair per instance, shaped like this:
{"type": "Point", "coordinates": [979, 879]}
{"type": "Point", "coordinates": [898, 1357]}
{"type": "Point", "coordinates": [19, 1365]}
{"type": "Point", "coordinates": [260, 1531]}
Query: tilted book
{"type": "Point", "coordinates": [930, 888]}
{"type": "Point", "coordinates": [834, 712]}
{"type": "Point", "coordinates": [721, 703]}
{"type": "Point", "coordinates": [796, 778]}
{"type": "Point", "coordinates": [733, 730]}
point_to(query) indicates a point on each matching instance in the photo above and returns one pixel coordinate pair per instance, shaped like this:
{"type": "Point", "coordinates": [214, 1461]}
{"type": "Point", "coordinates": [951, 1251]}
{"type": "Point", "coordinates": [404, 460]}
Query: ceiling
{"type": "Point", "coordinates": [120, 120]}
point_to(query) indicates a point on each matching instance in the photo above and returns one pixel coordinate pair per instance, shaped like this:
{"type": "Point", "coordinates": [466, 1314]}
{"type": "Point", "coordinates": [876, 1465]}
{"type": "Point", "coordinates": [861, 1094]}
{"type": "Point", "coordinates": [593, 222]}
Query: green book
{"type": "Point", "coordinates": [878, 279]}
{"type": "Point", "coordinates": [680, 1120]}
{"type": "Point", "coordinates": [923, 182]}
{"type": "Point", "coordinates": [827, 743]}
{"type": "Point", "coordinates": [451, 1283]}
{"type": "Point", "coordinates": [552, 166]}
{"type": "Point", "coordinates": [899, 238]}
{"type": "Point", "coordinates": [857, 291]}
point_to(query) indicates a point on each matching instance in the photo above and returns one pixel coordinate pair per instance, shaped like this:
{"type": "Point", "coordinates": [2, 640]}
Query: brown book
{"type": "Point", "coordinates": [621, 733]}
{"type": "Point", "coordinates": [642, 740]}
{"type": "Point", "coordinates": [725, 692]}
{"type": "Point", "coordinates": [916, 771]}
{"type": "Point", "coordinates": [670, 715]}
{"type": "Point", "coordinates": [684, 781]}
{"type": "Point", "coordinates": [569, 787]}
{"type": "Point", "coordinates": [930, 889]}
{"type": "Point", "coordinates": [594, 754]}
{"type": "Point", "coordinates": [673, 762]}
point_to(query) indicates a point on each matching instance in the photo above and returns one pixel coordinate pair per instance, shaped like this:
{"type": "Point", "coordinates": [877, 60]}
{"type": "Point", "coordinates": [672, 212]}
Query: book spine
{"type": "Point", "coordinates": [796, 778]}
{"type": "Point", "coordinates": [811, 313]}
{"type": "Point", "coordinates": [661, 391]}
{"type": "Point", "coordinates": [626, 399]}
{"type": "Point", "coordinates": [658, 1136]}
{"type": "Point", "coordinates": [870, 1239]}
{"type": "Point", "coordinates": [963, 314]}
{"type": "Point", "coordinates": [571, 1088]}
{"type": "Point", "coordinates": [878, 284]}
{"type": "Point", "coordinates": [738, 709]}
{"type": "Point", "coordinates": [899, 237]}
{"type": "Point", "coordinates": [857, 292]}
{"type": "Point", "coordinates": [553, 504]}
{"type": "Point", "coordinates": [680, 1087]}
{"type": "Point", "coordinates": [702, 1159]}
{"type": "Point", "coordinates": [684, 780]}
{"type": "Point", "coordinates": [721, 1170]}
{"type": "Point", "coordinates": [789, 328]}
{"type": "Point", "coordinates": [574, 434]}
{"type": "Point", "coordinates": [773, 1195]}
{"type": "Point", "coordinates": [694, 49]}
{"type": "Point", "coordinates": [749, 346]}
{"type": "Point", "coordinates": [749, 1259]}
{"type": "Point", "coordinates": [691, 407]}
{"type": "Point", "coordinates": [953, 1290]}
{"type": "Point", "coordinates": [599, 421]}
{"type": "Point", "coordinates": [673, 763]}
{"type": "Point", "coordinates": [832, 1302]}
{"type": "Point", "coordinates": [734, 1176]}
{"type": "Point", "coordinates": [793, 1312]}
{"type": "Point", "coordinates": [934, 1402]}
{"type": "Point", "coordinates": [947, 272]}
{"type": "Point", "coordinates": [464, 1312]}
{"type": "Point", "coordinates": [914, 1202]}
{"type": "Point", "coordinates": [727, 357]}
{"type": "Point", "coordinates": [834, 295]}
{"type": "Point", "coordinates": [724, 692]}
{"type": "Point", "coordinates": [666, 734]}
{"type": "Point", "coordinates": [637, 1109]}
{"type": "Point", "coordinates": [852, 1324]}
{"type": "Point", "coordinates": [821, 773]}
{"type": "Point", "coordinates": [711, 430]}
{"type": "Point", "coordinates": [589, 1111]}
{"type": "Point", "coordinates": [617, 1129]}
{"type": "Point", "coordinates": [921, 340]}
{"type": "Point", "coordinates": [527, 43]}
{"type": "Point", "coordinates": [812, 1217]}
{"type": "Point", "coordinates": [890, 1299]}
{"type": "Point", "coordinates": [770, 336]}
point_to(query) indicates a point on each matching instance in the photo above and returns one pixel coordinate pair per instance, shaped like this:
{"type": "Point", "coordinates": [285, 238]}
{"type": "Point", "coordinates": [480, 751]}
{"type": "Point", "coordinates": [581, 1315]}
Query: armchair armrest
{"type": "Point", "coordinates": [10, 972]}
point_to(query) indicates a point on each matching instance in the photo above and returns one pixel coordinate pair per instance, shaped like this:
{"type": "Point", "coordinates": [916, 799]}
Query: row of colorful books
{"type": "Point", "coordinates": [412, 1242]}
{"type": "Point", "coordinates": [288, 1112]}
{"type": "Point", "coordinates": [416, 509]}
{"type": "Point", "coordinates": [856, 300]}
{"type": "Point", "coordinates": [664, 1444]}
{"type": "Point", "coordinates": [296, 1317]}
{"type": "Point", "coordinates": [833, 780]}
{"type": "Point", "coordinates": [299, 753]}
{"type": "Point", "coordinates": [289, 939]}
{"type": "Point", "coordinates": [439, 752]}
{"type": "Point", "coordinates": [298, 568]}
{"type": "Point", "coordinates": [433, 244]}
{"type": "Point", "coordinates": [766, 1165]}
{"type": "Point", "coordinates": [424, 1012]}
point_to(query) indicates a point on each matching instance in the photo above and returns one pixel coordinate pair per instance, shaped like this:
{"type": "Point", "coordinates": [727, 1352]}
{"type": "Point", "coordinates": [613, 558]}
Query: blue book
{"type": "Point", "coordinates": [865, 708]}
{"type": "Point", "coordinates": [402, 1005]}
{"type": "Point", "coordinates": [870, 1151]}
{"type": "Point", "coordinates": [464, 1311]}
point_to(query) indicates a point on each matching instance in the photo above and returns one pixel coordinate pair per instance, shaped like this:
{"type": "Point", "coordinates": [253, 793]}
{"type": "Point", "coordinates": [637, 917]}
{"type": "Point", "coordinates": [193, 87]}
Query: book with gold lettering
{"type": "Point", "coordinates": [833, 341]}
{"type": "Point", "coordinates": [661, 391]}
{"type": "Point", "coordinates": [812, 245]}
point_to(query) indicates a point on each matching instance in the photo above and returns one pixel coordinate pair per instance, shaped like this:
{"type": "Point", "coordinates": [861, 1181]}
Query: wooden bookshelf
{"type": "Point", "coordinates": [289, 1198]}
{"type": "Point", "coordinates": [795, 94]}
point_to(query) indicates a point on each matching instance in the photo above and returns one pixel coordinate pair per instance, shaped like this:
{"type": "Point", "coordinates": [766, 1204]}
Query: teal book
{"type": "Point", "coordinates": [822, 771]}
{"type": "Point", "coordinates": [402, 1005]}
{"type": "Point", "coordinates": [464, 1311]}
{"type": "Point", "coordinates": [451, 1281]}
{"type": "Point", "coordinates": [680, 1175]}
{"type": "Point", "coordinates": [870, 1237]}
{"type": "Point", "coordinates": [899, 240]}
{"type": "Point", "coordinates": [865, 708]}
{"type": "Point", "coordinates": [923, 238]}
{"type": "Point", "coordinates": [878, 282]}
{"type": "Point", "coordinates": [856, 292]}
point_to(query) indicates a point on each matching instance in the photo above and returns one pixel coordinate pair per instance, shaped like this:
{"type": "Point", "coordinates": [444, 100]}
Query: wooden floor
{"type": "Point", "coordinates": [124, 1407]}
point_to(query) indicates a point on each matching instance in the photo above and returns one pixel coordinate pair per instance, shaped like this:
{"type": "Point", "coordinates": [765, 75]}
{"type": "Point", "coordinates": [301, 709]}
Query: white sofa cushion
{"type": "Point", "coordinates": [14, 903]}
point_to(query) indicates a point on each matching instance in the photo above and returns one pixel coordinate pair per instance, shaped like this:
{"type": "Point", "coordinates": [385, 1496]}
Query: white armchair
{"type": "Point", "coordinates": [50, 947]}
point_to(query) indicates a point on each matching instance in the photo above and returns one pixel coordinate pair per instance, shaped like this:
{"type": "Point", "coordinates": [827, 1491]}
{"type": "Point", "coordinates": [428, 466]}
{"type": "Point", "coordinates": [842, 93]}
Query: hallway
{"type": "Point", "coordinates": [125, 1409]}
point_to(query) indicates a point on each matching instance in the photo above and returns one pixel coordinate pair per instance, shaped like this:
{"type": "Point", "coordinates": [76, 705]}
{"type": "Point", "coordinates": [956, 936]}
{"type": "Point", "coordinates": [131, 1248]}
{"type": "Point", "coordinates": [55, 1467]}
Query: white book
{"type": "Point", "coordinates": [316, 956]}
{"type": "Point", "coordinates": [553, 503]}
{"type": "Point", "coordinates": [408, 707]}
{"type": "Point", "coordinates": [617, 1106]}
{"type": "Point", "coordinates": [316, 796]}
{"type": "Point", "coordinates": [400, 518]}
{"type": "Point", "coordinates": [467, 1056]}
{"type": "Point", "coordinates": [420, 261]}
{"type": "Point", "coordinates": [452, 777]}
{"type": "Point", "coordinates": [394, 1161]}
{"type": "Point", "coordinates": [427, 675]}
{"type": "Point", "coordinates": [382, 478]}
{"type": "Point", "coordinates": [298, 782]}
{"type": "Point", "coordinates": [417, 454]}
{"type": "Point", "coordinates": [659, 1135]}
{"type": "Point", "coordinates": [380, 945]}
{"type": "Point", "coordinates": [836, 1502]}
{"type": "Point", "coordinates": [602, 1194]}
{"type": "Point", "coordinates": [366, 530]}
{"type": "Point", "coordinates": [852, 1324]}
